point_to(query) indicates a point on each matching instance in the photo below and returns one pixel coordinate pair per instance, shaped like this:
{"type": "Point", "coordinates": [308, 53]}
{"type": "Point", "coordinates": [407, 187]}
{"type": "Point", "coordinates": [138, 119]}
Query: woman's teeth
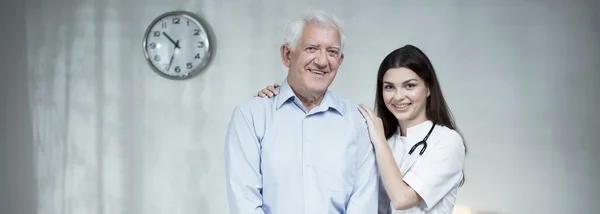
{"type": "Point", "coordinates": [402, 106]}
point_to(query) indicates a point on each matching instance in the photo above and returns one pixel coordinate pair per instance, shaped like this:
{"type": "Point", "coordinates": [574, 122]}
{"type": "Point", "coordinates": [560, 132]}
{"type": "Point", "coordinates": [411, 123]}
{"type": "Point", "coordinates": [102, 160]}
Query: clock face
{"type": "Point", "coordinates": [177, 45]}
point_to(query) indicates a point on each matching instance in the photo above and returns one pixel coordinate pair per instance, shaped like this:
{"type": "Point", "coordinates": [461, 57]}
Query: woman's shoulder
{"type": "Point", "coordinates": [448, 132]}
{"type": "Point", "coordinates": [450, 137]}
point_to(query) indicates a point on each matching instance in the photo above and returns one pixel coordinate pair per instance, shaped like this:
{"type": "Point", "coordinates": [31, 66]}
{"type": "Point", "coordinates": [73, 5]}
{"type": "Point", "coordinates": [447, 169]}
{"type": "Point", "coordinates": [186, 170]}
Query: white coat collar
{"type": "Point", "coordinates": [416, 133]}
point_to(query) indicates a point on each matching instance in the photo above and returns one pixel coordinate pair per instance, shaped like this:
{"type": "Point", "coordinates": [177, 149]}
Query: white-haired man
{"type": "Point", "coordinates": [306, 150]}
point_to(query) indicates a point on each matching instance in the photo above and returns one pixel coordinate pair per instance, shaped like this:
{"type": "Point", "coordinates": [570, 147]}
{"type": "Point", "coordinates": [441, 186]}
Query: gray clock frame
{"type": "Point", "coordinates": [210, 44]}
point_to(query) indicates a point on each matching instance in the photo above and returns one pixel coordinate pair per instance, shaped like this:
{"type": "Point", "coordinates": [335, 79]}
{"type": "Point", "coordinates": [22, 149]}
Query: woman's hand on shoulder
{"type": "Point", "coordinates": [270, 91]}
{"type": "Point", "coordinates": [375, 124]}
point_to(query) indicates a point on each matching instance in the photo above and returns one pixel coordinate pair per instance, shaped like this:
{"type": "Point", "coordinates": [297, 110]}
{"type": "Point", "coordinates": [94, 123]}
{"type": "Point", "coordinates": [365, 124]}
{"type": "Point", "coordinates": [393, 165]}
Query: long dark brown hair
{"type": "Point", "coordinates": [436, 110]}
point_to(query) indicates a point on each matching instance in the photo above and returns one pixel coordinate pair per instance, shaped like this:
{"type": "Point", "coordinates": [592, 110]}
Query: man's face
{"type": "Point", "coordinates": [315, 60]}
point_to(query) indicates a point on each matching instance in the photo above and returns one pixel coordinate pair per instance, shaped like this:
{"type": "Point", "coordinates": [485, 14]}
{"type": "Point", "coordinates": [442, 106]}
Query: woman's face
{"type": "Point", "coordinates": [405, 95]}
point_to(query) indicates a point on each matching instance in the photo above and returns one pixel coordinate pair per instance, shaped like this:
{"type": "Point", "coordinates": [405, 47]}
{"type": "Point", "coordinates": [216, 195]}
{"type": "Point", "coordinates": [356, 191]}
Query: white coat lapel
{"type": "Point", "coordinates": [409, 160]}
{"type": "Point", "coordinates": [414, 135]}
{"type": "Point", "coordinates": [397, 146]}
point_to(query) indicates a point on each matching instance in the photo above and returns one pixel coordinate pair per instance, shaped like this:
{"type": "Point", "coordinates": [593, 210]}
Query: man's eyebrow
{"type": "Point", "coordinates": [314, 44]}
{"type": "Point", "coordinates": [311, 43]}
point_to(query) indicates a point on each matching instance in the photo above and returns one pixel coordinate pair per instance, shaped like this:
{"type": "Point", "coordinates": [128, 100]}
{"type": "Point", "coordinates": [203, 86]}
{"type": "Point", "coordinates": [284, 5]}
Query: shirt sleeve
{"type": "Point", "coordinates": [384, 199]}
{"type": "Point", "coordinates": [364, 198]}
{"type": "Point", "coordinates": [242, 165]}
{"type": "Point", "coordinates": [440, 171]}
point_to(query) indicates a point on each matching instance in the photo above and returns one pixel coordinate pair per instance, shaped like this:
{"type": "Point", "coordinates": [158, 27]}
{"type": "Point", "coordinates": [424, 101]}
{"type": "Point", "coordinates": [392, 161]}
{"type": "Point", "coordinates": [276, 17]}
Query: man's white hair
{"type": "Point", "coordinates": [295, 28]}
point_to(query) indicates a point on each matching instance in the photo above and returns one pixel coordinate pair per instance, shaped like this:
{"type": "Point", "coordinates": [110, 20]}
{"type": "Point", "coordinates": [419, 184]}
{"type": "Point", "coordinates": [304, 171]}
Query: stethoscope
{"type": "Point", "coordinates": [422, 142]}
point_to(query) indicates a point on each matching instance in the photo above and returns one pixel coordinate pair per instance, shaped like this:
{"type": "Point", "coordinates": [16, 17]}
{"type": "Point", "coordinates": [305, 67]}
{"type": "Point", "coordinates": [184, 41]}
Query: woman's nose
{"type": "Point", "coordinates": [399, 95]}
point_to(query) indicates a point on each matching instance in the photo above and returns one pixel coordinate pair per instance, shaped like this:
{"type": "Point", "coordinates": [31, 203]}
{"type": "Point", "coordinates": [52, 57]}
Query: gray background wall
{"type": "Point", "coordinates": [89, 128]}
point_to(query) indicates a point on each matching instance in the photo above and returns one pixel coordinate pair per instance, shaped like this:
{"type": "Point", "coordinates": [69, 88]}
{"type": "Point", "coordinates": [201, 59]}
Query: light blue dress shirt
{"type": "Point", "coordinates": [281, 159]}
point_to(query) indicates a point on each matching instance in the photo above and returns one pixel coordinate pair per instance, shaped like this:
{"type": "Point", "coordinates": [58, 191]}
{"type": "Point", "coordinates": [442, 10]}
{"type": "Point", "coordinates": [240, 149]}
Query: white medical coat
{"type": "Point", "coordinates": [435, 175]}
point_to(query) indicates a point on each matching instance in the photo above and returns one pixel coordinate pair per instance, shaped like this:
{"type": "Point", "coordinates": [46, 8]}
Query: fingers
{"type": "Point", "coordinates": [362, 111]}
{"type": "Point", "coordinates": [260, 94]}
{"type": "Point", "coordinates": [269, 91]}
{"type": "Point", "coordinates": [367, 111]}
{"type": "Point", "coordinates": [366, 114]}
{"type": "Point", "coordinates": [272, 89]}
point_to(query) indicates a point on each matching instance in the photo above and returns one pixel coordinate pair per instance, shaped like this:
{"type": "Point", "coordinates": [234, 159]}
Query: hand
{"type": "Point", "coordinates": [376, 131]}
{"type": "Point", "coordinates": [270, 91]}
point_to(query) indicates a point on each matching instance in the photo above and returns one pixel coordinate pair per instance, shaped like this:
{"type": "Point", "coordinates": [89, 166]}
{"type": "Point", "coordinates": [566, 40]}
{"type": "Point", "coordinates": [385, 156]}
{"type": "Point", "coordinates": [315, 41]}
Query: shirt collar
{"type": "Point", "coordinates": [286, 94]}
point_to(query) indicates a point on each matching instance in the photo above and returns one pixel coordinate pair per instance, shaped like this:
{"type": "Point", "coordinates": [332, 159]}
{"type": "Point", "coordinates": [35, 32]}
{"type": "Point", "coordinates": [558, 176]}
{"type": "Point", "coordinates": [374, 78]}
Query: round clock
{"type": "Point", "coordinates": [177, 45]}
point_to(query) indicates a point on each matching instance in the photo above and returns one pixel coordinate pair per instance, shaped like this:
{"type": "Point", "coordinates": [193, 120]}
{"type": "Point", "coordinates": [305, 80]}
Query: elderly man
{"type": "Point", "coordinates": [307, 150]}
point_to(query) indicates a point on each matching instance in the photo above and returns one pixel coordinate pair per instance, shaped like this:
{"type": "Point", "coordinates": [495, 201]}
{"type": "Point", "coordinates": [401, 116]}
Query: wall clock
{"type": "Point", "coordinates": [178, 45]}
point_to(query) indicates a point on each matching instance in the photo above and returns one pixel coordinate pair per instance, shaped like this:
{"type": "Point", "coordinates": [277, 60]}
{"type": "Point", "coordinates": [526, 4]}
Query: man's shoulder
{"type": "Point", "coordinates": [348, 107]}
{"type": "Point", "coordinates": [255, 105]}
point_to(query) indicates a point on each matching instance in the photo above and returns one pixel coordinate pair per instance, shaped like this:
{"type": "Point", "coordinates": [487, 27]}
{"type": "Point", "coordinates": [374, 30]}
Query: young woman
{"type": "Point", "coordinates": [420, 154]}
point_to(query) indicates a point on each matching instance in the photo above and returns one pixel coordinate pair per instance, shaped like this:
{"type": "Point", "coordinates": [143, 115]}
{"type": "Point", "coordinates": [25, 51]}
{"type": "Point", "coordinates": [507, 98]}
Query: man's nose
{"type": "Point", "coordinates": [321, 59]}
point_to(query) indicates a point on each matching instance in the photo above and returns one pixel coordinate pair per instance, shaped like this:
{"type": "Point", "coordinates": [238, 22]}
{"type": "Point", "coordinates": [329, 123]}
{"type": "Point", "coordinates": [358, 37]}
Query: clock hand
{"type": "Point", "coordinates": [175, 43]}
{"type": "Point", "coordinates": [171, 61]}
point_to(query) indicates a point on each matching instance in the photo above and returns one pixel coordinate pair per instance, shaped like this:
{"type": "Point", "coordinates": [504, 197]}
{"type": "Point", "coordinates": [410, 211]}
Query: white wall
{"type": "Point", "coordinates": [111, 136]}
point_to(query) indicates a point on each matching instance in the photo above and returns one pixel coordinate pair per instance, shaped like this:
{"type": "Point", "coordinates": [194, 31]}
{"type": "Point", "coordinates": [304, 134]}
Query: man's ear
{"type": "Point", "coordinates": [285, 55]}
